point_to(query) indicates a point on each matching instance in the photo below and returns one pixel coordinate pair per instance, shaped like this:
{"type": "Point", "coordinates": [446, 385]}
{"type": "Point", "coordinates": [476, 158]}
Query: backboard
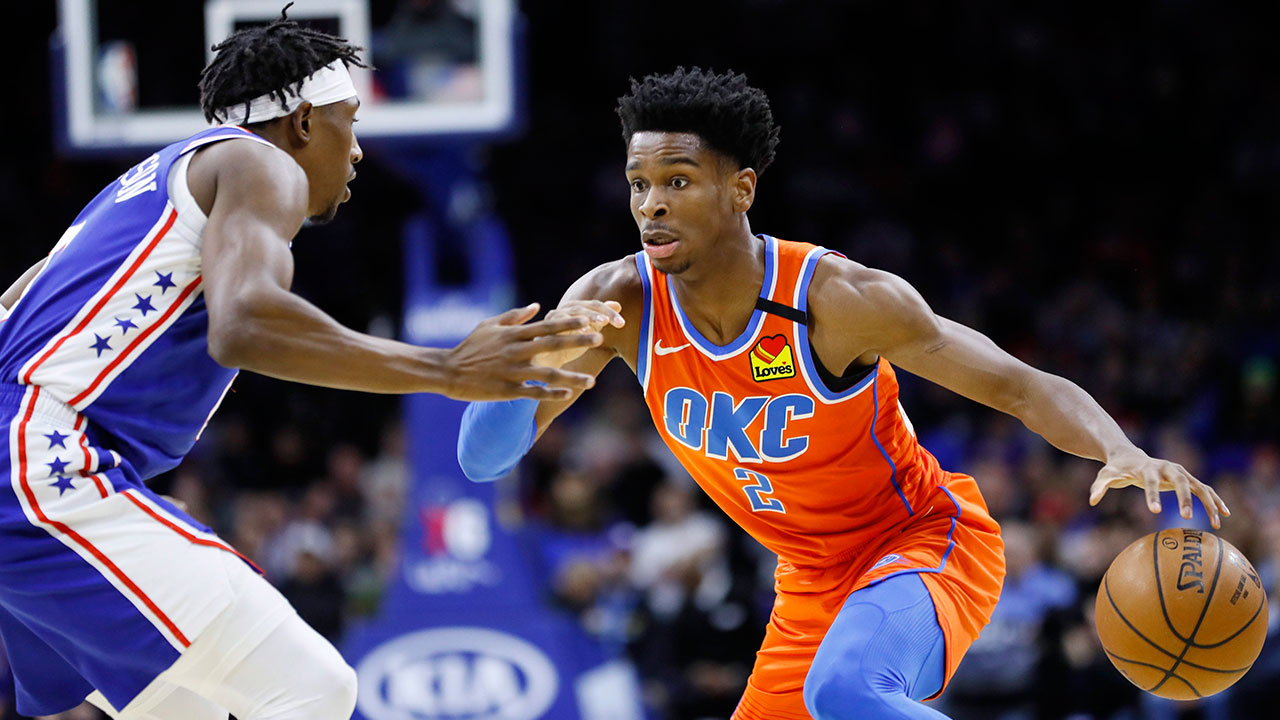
{"type": "Point", "coordinates": [125, 72]}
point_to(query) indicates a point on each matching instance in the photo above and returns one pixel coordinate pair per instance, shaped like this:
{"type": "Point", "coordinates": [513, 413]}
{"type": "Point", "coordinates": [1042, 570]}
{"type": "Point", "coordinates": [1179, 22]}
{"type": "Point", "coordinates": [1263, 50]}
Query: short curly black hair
{"type": "Point", "coordinates": [273, 58]}
{"type": "Point", "coordinates": [730, 115]}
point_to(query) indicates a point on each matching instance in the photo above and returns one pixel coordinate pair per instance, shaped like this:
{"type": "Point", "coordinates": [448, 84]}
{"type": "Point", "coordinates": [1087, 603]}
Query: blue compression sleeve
{"type": "Point", "coordinates": [883, 653]}
{"type": "Point", "coordinates": [494, 436]}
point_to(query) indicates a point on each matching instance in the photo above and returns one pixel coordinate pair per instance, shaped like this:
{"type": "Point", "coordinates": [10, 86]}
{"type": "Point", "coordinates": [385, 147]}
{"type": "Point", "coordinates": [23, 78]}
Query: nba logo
{"type": "Point", "coordinates": [459, 530]}
{"type": "Point", "coordinates": [771, 359]}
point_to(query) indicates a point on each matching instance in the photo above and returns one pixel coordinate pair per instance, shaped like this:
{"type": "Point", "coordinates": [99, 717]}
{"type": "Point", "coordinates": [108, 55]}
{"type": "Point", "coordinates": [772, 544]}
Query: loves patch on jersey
{"type": "Point", "coordinates": [771, 359]}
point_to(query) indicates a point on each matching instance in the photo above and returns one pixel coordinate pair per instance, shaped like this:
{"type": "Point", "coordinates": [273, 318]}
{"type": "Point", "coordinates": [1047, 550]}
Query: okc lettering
{"type": "Point", "coordinates": [1191, 572]}
{"type": "Point", "coordinates": [719, 426]}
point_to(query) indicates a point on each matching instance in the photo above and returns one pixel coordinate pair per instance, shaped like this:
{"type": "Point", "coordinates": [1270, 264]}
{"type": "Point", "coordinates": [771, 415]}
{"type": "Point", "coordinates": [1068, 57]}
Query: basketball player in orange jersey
{"type": "Point", "coordinates": [768, 368]}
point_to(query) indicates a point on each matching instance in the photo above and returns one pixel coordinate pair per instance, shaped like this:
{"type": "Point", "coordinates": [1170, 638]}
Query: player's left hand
{"type": "Point", "coordinates": [599, 315]}
{"type": "Point", "coordinates": [1155, 475]}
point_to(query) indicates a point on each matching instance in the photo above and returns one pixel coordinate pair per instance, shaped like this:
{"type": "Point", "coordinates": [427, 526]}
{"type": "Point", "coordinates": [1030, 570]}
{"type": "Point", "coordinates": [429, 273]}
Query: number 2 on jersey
{"type": "Point", "coordinates": [757, 490]}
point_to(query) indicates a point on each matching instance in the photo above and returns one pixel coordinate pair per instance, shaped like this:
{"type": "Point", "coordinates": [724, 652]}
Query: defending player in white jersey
{"type": "Point", "coordinates": [116, 349]}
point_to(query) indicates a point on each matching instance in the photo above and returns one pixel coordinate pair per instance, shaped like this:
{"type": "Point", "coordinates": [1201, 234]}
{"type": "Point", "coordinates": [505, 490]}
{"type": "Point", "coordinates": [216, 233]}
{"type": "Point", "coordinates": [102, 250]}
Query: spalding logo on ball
{"type": "Point", "coordinates": [1182, 614]}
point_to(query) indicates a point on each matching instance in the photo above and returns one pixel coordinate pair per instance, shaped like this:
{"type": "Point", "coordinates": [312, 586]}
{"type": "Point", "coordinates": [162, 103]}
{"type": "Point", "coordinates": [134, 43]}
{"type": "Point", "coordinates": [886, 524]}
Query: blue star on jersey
{"type": "Point", "coordinates": [144, 304]}
{"type": "Point", "coordinates": [122, 270]}
{"type": "Point", "coordinates": [63, 483]}
{"type": "Point", "coordinates": [57, 467]}
{"type": "Point", "coordinates": [101, 344]}
{"type": "Point", "coordinates": [125, 325]}
{"type": "Point", "coordinates": [165, 282]}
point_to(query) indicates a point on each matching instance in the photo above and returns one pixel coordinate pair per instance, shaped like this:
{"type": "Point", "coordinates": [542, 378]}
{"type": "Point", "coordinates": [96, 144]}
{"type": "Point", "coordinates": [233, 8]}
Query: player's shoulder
{"type": "Point", "coordinates": [245, 159]}
{"type": "Point", "coordinates": [852, 290]}
{"type": "Point", "coordinates": [839, 277]}
{"type": "Point", "coordinates": [248, 169]}
{"type": "Point", "coordinates": [614, 280]}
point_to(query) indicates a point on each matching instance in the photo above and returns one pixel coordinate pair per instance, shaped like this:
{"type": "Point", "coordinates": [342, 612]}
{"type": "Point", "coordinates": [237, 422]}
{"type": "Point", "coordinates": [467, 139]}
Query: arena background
{"type": "Point", "coordinates": [1093, 185]}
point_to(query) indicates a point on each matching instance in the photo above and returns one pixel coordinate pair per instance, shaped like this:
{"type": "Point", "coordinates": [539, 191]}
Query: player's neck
{"type": "Point", "coordinates": [274, 133]}
{"type": "Point", "coordinates": [719, 297]}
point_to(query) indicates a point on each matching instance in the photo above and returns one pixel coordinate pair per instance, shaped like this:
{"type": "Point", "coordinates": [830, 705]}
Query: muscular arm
{"type": "Point", "coordinates": [617, 281]}
{"type": "Point", "coordinates": [861, 312]}
{"type": "Point", "coordinates": [494, 436]}
{"type": "Point", "coordinates": [257, 324]}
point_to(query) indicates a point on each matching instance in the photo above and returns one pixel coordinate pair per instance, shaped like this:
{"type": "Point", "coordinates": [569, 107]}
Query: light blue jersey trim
{"type": "Point", "coordinates": [893, 476]}
{"type": "Point", "coordinates": [812, 378]}
{"type": "Point", "coordinates": [646, 322]}
{"type": "Point", "coordinates": [748, 336]}
{"type": "Point", "coordinates": [951, 544]}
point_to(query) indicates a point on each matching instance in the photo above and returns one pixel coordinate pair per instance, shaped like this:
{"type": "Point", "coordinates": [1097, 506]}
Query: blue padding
{"type": "Point", "coordinates": [494, 436]}
{"type": "Point", "coordinates": [884, 652]}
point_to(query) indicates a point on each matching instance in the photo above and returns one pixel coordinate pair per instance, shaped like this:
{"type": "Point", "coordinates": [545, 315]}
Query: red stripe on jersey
{"type": "Point", "coordinates": [173, 216]}
{"type": "Point", "coordinates": [76, 537]}
{"type": "Point", "coordinates": [88, 458]}
{"type": "Point", "coordinates": [188, 536]}
{"type": "Point", "coordinates": [136, 341]}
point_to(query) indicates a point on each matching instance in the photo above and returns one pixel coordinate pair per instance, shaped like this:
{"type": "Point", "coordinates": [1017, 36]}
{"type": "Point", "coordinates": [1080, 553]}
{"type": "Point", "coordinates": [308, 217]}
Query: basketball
{"type": "Point", "coordinates": [1182, 614]}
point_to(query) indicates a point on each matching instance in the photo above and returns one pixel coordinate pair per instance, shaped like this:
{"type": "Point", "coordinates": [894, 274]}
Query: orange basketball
{"type": "Point", "coordinates": [1182, 614]}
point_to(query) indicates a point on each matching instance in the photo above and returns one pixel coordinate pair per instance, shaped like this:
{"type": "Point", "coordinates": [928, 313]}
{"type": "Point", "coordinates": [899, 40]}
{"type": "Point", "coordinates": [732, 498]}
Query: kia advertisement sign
{"type": "Point", "coordinates": [460, 673]}
{"type": "Point", "coordinates": [517, 663]}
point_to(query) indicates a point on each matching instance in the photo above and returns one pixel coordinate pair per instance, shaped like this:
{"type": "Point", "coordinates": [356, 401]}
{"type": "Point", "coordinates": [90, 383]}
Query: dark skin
{"type": "Point", "coordinates": [256, 198]}
{"type": "Point", "coordinates": [690, 203]}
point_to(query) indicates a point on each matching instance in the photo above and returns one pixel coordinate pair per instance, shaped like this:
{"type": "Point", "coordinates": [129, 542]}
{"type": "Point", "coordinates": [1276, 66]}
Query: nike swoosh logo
{"type": "Point", "coordinates": [657, 348]}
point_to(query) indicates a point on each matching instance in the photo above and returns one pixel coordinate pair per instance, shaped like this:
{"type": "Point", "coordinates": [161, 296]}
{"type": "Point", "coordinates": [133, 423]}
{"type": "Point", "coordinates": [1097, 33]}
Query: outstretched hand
{"type": "Point", "coordinates": [1155, 475]}
{"type": "Point", "coordinates": [598, 315]}
{"type": "Point", "coordinates": [494, 362]}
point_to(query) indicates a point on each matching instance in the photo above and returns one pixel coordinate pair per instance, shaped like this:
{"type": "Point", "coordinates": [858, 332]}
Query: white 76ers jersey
{"type": "Point", "coordinates": [115, 325]}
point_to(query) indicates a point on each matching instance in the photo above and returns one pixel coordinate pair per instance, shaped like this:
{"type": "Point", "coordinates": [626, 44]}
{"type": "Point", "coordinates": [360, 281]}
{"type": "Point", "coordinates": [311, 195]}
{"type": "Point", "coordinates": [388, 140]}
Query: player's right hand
{"type": "Point", "coordinates": [599, 315]}
{"type": "Point", "coordinates": [494, 361]}
{"type": "Point", "coordinates": [1137, 469]}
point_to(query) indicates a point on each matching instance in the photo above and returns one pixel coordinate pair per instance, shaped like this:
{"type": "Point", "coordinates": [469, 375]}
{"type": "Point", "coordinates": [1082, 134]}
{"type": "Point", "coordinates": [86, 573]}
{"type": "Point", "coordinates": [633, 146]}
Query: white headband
{"type": "Point", "coordinates": [329, 84]}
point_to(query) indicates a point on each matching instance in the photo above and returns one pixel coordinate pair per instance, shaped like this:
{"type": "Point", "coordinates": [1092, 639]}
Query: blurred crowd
{"type": "Point", "coordinates": [1092, 186]}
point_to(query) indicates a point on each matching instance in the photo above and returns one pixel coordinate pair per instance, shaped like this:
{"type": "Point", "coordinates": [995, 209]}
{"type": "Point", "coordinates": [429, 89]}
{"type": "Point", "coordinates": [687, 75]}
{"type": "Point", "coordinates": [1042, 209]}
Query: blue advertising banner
{"type": "Point", "coordinates": [464, 632]}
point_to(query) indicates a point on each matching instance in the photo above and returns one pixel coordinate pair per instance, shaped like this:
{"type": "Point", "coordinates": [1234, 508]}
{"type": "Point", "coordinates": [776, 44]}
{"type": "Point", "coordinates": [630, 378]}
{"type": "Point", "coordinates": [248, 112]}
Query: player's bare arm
{"type": "Point", "coordinates": [611, 299]}
{"type": "Point", "coordinates": [257, 199]}
{"type": "Point", "coordinates": [860, 314]}
{"type": "Point", "coordinates": [14, 292]}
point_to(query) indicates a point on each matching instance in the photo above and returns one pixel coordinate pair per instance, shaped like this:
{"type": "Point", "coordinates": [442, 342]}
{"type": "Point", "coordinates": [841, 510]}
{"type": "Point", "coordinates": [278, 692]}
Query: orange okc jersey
{"type": "Point", "coordinates": [813, 473]}
{"type": "Point", "coordinates": [824, 471]}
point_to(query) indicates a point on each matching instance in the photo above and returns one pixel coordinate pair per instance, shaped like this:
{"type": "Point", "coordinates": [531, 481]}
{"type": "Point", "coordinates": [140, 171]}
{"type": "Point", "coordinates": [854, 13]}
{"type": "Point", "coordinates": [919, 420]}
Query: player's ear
{"type": "Point", "coordinates": [300, 122]}
{"type": "Point", "coordinates": [744, 189]}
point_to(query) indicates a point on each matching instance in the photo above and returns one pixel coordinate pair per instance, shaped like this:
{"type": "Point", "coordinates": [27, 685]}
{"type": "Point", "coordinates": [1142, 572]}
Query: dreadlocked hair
{"type": "Point", "coordinates": [273, 59]}
{"type": "Point", "coordinates": [729, 115]}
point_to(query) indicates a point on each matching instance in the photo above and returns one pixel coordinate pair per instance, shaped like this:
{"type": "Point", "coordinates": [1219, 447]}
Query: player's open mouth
{"type": "Point", "coordinates": [659, 242]}
{"type": "Point", "coordinates": [661, 248]}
